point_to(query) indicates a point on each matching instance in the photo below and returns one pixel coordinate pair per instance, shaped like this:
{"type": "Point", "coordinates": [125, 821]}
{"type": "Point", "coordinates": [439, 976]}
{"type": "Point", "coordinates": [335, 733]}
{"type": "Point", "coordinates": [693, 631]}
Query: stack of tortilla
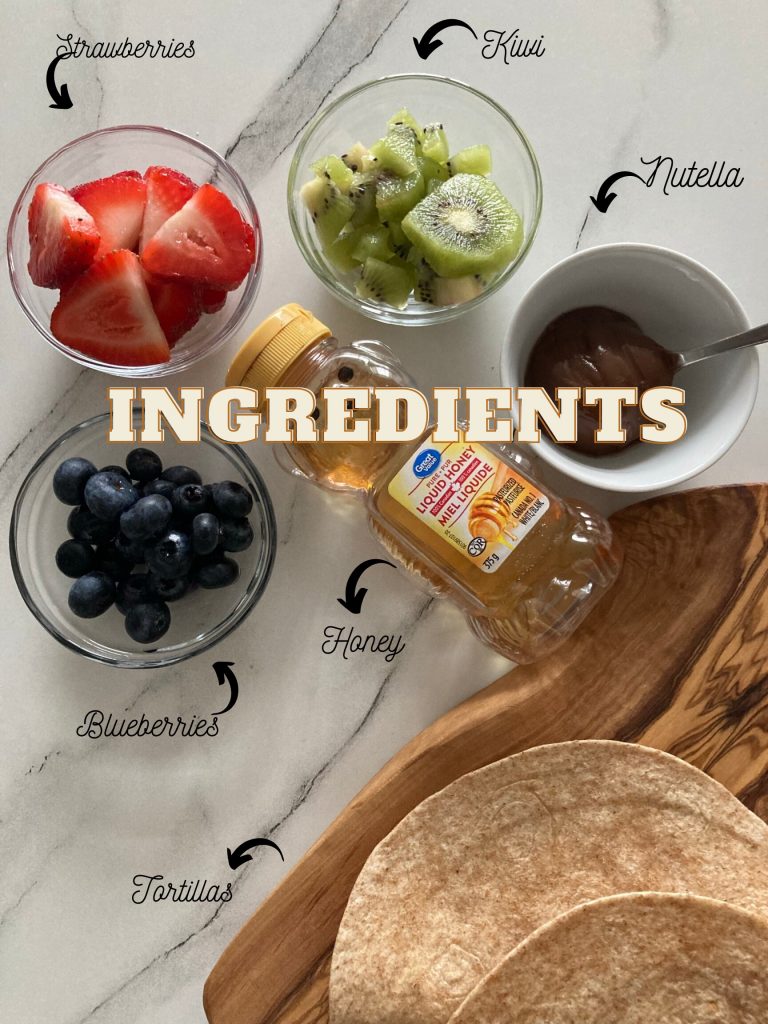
{"type": "Point", "coordinates": [468, 910]}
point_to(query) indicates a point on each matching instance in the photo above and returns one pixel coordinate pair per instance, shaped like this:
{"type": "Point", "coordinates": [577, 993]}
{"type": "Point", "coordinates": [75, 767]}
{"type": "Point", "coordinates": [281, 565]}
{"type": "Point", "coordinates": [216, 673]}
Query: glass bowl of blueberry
{"type": "Point", "coordinates": [145, 563]}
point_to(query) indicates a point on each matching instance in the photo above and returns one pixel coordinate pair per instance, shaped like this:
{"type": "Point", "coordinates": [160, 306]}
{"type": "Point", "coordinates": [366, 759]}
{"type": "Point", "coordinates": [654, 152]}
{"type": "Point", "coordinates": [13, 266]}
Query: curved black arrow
{"type": "Point", "coordinates": [604, 198]}
{"type": "Point", "coordinates": [60, 97]}
{"type": "Point", "coordinates": [428, 44]}
{"type": "Point", "coordinates": [239, 856]}
{"type": "Point", "coordinates": [353, 598]}
{"type": "Point", "coordinates": [225, 675]}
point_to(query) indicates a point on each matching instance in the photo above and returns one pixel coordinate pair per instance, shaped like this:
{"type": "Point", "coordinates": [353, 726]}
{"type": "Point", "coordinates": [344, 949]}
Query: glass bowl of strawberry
{"type": "Point", "coordinates": [135, 250]}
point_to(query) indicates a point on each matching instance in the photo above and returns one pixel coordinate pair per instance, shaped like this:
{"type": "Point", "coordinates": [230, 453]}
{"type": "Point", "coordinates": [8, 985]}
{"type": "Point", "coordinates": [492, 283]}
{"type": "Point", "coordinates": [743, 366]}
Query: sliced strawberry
{"type": "Point", "coordinates": [63, 237]}
{"type": "Point", "coordinates": [212, 299]}
{"type": "Point", "coordinates": [107, 314]}
{"type": "Point", "coordinates": [117, 205]}
{"type": "Point", "coordinates": [207, 241]}
{"type": "Point", "coordinates": [176, 305]}
{"type": "Point", "coordinates": [167, 191]}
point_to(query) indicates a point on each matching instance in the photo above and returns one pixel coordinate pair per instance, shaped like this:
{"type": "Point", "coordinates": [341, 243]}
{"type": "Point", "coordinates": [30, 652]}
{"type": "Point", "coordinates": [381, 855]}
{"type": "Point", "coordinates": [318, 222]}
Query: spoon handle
{"type": "Point", "coordinates": [754, 336]}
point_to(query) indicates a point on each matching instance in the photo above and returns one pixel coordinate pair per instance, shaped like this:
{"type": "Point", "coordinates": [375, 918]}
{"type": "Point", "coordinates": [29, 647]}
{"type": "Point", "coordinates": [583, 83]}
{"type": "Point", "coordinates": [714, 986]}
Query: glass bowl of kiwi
{"type": "Point", "coordinates": [414, 197]}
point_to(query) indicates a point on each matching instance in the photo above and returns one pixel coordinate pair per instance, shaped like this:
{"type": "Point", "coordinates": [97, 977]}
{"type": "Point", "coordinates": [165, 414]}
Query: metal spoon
{"type": "Point", "coordinates": [754, 336]}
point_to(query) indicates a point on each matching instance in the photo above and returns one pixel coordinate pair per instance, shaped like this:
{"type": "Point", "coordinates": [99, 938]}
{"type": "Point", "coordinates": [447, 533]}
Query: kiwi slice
{"type": "Point", "coordinates": [372, 242]}
{"type": "Point", "coordinates": [465, 226]}
{"type": "Point", "coordinates": [329, 208]}
{"type": "Point", "coordinates": [333, 168]}
{"type": "Point", "coordinates": [431, 170]}
{"type": "Point", "coordinates": [362, 192]}
{"type": "Point", "coordinates": [356, 156]}
{"type": "Point", "coordinates": [434, 143]}
{"type": "Point", "coordinates": [340, 251]}
{"type": "Point", "coordinates": [472, 160]}
{"type": "Point", "coordinates": [395, 196]}
{"type": "Point", "coordinates": [404, 117]}
{"type": "Point", "coordinates": [443, 291]}
{"type": "Point", "coordinates": [397, 151]}
{"type": "Point", "coordinates": [387, 283]}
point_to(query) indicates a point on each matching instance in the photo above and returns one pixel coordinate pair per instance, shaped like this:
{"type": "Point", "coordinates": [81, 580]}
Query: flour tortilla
{"type": "Point", "coordinates": [632, 959]}
{"type": "Point", "coordinates": [478, 867]}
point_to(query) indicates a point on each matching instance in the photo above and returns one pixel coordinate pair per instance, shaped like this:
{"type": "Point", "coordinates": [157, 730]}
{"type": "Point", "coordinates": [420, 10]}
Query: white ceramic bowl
{"type": "Point", "coordinates": [681, 305]}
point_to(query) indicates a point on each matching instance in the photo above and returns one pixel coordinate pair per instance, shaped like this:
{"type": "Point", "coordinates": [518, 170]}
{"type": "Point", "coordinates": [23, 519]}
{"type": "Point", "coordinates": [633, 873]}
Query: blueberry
{"type": "Point", "coordinates": [107, 495]}
{"type": "Point", "coordinates": [111, 560]}
{"type": "Point", "coordinates": [143, 464]}
{"type": "Point", "coordinates": [70, 479]}
{"type": "Point", "coordinates": [182, 475]}
{"type": "Point", "coordinates": [236, 534]}
{"type": "Point", "coordinates": [219, 573]}
{"type": "Point", "coordinates": [164, 487]}
{"type": "Point", "coordinates": [132, 550]}
{"type": "Point", "coordinates": [231, 499]}
{"type": "Point", "coordinates": [91, 595]}
{"type": "Point", "coordinates": [149, 515]}
{"type": "Point", "coordinates": [132, 591]}
{"type": "Point", "coordinates": [84, 525]}
{"type": "Point", "coordinates": [168, 590]}
{"type": "Point", "coordinates": [205, 533]}
{"type": "Point", "coordinates": [189, 500]}
{"type": "Point", "coordinates": [120, 470]}
{"type": "Point", "coordinates": [147, 621]}
{"type": "Point", "coordinates": [171, 556]}
{"type": "Point", "coordinates": [75, 558]}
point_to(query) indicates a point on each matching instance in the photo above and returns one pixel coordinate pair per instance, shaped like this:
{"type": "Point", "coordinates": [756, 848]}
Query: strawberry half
{"type": "Point", "coordinates": [206, 242]}
{"type": "Point", "coordinates": [117, 205]}
{"type": "Point", "coordinates": [107, 314]}
{"type": "Point", "coordinates": [212, 299]}
{"type": "Point", "coordinates": [176, 305]}
{"type": "Point", "coordinates": [167, 191]}
{"type": "Point", "coordinates": [63, 237]}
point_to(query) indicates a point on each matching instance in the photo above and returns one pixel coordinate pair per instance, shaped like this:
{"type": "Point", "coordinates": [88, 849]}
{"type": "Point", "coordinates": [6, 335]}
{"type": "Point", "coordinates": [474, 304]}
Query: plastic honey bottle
{"type": "Point", "coordinates": [470, 520]}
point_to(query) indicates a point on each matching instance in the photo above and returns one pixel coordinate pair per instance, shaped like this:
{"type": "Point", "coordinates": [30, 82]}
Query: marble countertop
{"type": "Point", "coordinates": [81, 817]}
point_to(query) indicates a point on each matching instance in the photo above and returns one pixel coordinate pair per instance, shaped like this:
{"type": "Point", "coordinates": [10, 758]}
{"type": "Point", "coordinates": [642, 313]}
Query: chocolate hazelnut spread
{"type": "Point", "coordinates": [593, 346]}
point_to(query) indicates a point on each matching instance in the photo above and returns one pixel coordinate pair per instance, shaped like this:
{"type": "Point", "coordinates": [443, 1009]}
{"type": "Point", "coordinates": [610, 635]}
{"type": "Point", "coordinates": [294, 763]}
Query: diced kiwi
{"type": "Point", "coordinates": [372, 242]}
{"type": "Point", "coordinates": [395, 196]}
{"type": "Point", "coordinates": [466, 226]}
{"type": "Point", "coordinates": [397, 151]}
{"type": "Point", "coordinates": [329, 208]}
{"type": "Point", "coordinates": [434, 143]}
{"type": "Point", "coordinates": [431, 170]}
{"type": "Point", "coordinates": [387, 283]}
{"type": "Point", "coordinates": [432, 184]}
{"type": "Point", "coordinates": [443, 291]}
{"type": "Point", "coordinates": [333, 168]}
{"type": "Point", "coordinates": [404, 117]}
{"type": "Point", "coordinates": [355, 156]}
{"type": "Point", "coordinates": [340, 251]}
{"type": "Point", "coordinates": [472, 160]}
{"type": "Point", "coordinates": [362, 192]}
{"type": "Point", "coordinates": [397, 234]}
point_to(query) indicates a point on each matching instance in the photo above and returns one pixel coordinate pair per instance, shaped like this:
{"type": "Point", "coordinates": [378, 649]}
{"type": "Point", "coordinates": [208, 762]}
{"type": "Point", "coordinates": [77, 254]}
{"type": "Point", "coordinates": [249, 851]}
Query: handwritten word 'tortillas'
{"type": "Point", "coordinates": [348, 641]}
{"type": "Point", "coordinates": [500, 43]}
{"type": "Point", "coordinates": [96, 724]}
{"type": "Point", "coordinates": [150, 887]}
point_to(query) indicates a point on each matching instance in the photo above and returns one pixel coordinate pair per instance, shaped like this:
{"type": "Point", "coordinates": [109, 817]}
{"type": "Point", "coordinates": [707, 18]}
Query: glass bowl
{"type": "Point", "coordinates": [469, 117]}
{"type": "Point", "coordinates": [201, 618]}
{"type": "Point", "coordinates": [98, 155]}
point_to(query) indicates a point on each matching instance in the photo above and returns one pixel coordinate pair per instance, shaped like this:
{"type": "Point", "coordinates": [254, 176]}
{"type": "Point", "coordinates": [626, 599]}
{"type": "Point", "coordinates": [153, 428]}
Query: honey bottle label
{"type": "Point", "coordinates": [471, 498]}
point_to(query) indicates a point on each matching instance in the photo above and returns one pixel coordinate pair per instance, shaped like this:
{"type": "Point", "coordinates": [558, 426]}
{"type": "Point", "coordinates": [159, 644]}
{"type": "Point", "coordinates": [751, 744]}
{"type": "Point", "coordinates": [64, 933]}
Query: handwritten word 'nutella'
{"type": "Point", "coordinates": [693, 176]}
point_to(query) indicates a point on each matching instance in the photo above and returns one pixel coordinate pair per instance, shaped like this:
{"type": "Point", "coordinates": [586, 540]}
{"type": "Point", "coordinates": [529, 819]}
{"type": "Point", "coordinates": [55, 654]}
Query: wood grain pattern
{"type": "Point", "coordinates": [676, 656]}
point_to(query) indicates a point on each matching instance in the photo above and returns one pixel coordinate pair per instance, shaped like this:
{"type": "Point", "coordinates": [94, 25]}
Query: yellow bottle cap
{"type": "Point", "coordinates": [276, 343]}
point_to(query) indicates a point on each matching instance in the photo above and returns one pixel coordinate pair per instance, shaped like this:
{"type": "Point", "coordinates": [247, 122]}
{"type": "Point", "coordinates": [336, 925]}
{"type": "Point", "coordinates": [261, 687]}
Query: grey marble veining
{"type": "Point", "coordinates": [80, 817]}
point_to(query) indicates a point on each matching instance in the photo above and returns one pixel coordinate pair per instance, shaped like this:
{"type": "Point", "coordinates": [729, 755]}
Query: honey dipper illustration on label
{"type": "Point", "coordinates": [490, 512]}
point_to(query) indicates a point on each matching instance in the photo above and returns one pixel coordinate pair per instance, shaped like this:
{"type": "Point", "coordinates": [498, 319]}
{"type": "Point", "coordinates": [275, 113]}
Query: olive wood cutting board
{"type": "Point", "coordinates": [675, 656]}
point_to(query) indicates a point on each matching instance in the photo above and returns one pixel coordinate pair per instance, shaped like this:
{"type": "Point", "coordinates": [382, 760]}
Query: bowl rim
{"type": "Point", "coordinates": [244, 303]}
{"type": "Point", "coordinates": [402, 318]}
{"type": "Point", "coordinates": [619, 478]}
{"type": "Point", "coordinates": [180, 652]}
